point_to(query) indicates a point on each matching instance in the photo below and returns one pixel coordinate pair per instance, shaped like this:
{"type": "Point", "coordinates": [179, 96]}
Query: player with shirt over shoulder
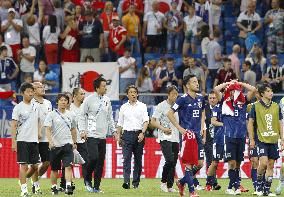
{"type": "Point", "coordinates": [190, 108]}
{"type": "Point", "coordinates": [44, 107]}
{"type": "Point", "coordinates": [61, 134]}
{"type": "Point", "coordinates": [25, 135]}
{"type": "Point", "coordinates": [168, 137]}
{"type": "Point", "coordinates": [267, 117]}
{"type": "Point", "coordinates": [234, 109]}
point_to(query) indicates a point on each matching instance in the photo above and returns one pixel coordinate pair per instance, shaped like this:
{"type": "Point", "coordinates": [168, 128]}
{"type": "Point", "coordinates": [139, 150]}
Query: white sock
{"type": "Point", "coordinates": [36, 184]}
{"type": "Point", "coordinates": [54, 185]}
{"type": "Point", "coordinates": [24, 187]}
{"type": "Point", "coordinates": [68, 183]}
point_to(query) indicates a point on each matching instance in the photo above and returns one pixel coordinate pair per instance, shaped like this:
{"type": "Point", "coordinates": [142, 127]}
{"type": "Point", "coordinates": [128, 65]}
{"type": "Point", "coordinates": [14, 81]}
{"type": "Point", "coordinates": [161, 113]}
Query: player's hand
{"type": "Point", "coordinates": [203, 140]}
{"type": "Point", "coordinates": [140, 137]}
{"type": "Point", "coordinates": [83, 135]}
{"type": "Point", "coordinates": [182, 131]}
{"type": "Point", "coordinates": [282, 144]}
{"type": "Point", "coordinates": [51, 145]}
{"type": "Point", "coordinates": [39, 135]}
{"type": "Point", "coordinates": [74, 146]}
{"type": "Point", "coordinates": [14, 146]}
{"type": "Point", "coordinates": [167, 131]}
{"type": "Point", "coordinates": [252, 144]}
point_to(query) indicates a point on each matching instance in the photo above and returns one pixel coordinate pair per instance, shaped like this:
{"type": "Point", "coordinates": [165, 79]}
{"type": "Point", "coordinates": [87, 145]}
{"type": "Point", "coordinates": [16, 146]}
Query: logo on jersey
{"type": "Point", "coordinates": [199, 104]}
{"type": "Point", "coordinates": [268, 119]}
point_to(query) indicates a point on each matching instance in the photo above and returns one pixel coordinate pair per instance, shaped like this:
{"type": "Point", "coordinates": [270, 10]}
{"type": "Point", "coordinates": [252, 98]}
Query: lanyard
{"type": "Point", "coordinates": [62, 118]}
{"type": "Point", "coordinates": [3, 65]}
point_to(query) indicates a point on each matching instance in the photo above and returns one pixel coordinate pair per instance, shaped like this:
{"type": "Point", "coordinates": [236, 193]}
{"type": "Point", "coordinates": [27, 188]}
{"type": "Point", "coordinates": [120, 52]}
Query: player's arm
{"type": "Point", "coordinates": [216, 123]}
{"type": "Point", "coordinates": [251, 132]}
{"type": "Point", "coordinates": [251, 90]}
{"type": "Point", "coordinates": [39, 129]}
{"type": "Point", "coordinates": [82, 120]}
{"type": "Point", "coordinates": [173, 120]}
{"type": "Point", "coordinates": [74, 137]}
{"type": "Point", "coordinates": [203, 130]}
{"type": "Point", "coordinates": [14, 126]}
{"type": "Point", "coordinates": [49, 138]}
{"type": "Point", "coordinates": [156, 124]}
{"type": "Point", "coordinates": [218, 89]}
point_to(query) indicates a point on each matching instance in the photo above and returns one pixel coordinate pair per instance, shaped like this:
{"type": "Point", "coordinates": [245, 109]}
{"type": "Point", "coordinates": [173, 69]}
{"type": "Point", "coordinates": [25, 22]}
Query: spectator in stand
{"type": "Point", "coordinates": [117, 39]}
{"type": "Point", "coordinates": [45, 76]}
{"type": "Point", "coordinates": [274, 75]}
{"type": "Point", "coordinates": [59, 13]}
{"type": "Point", "coordinates": [48, 7]}
{"type": "Point", "coordinates": [248, 22]}
{"type": "Point", "coordinates": [5, 5]}
{"type": "Point", "coordinates": [92, 37]}
{"type": "Point", "coordinates": [191, 23]}
{"type": "Point", "coordinates": [215, 13]}
{"type": "Point", "coordinates": [22, 7]}
{"type": "Point", "coordinates": [139, 9]}
{"type": "Point", "coordinates": [2, 43]}
{"type": "Point", "coordinates": [28, 78]}
{"type": "Point", "coordinates": [159, 67]}
{"type": "Point", "coordinates": [235, 61]}
{"type": "Point", "coordinates": [274, 18]}
{"type": "Point", "coordinates": [205, 39]}
{"type": "Point", "coordinates": [50, 38]}
{"type": "Point", "coordinates": [9, 69]}
{"type": "Point", "coordinates": [248, 75]}
{"type": "Point", "coordinates": [214, 57]}
{"type": "Point", "coordinates": [70, 53]}
{"type": "Point", "coordinates": [198, 72]}
{"type": "Point", "coordinates": [78, 15]}
{"type": "Point", "coordinates": [69, 7]}
{"type": "Point", "coordinates": [127, 70]}
{"type": "Point", "coordinates": [106, 20]}
{"type": "Point", "coordinates": [26, 57]}
{"type": "Point", "coordinates": [225, 74]}
{"type": "Point", "coordinates": [201, 10]}
{"type": "Point", "coordinates": [32, 27]}
{"type": "Point", "coordinates": [168, 76]}
{"type": "Point", "coordinates": [145, 85]}
{"type": "Point", "coordinates": [181, 68]}
{"type": "Point", "coordinates": [150, 65]}
{"type": "Point", "coordinates": [174, 24]}
{"type": "Point", "coordinates": [258, 62]}
{"type": "Point", "coordinates": [131, 22]}
{"type": "Point", "coordinates": [12, 31]}
{"type": "Point", "coordinates": [89, 59]}
{"type": "Point", "coordinates": [152, 28]}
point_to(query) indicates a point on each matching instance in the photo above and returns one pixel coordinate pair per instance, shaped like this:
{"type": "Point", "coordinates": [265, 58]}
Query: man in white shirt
{"type": "Point", "coordinates": [168, 137]}
{"type": "Point", "coordinates": [26, 57]}
{"type": "Point", "coordinates": [11, 28]}
{"type": "Point", "coordinates": [127, 70]}
{"type": "Point", "coordinates": [25, 135]}
{"type": "Point", "coordinates": [132, 124]}
{"type": "Point", "coordinates": [152, 28]}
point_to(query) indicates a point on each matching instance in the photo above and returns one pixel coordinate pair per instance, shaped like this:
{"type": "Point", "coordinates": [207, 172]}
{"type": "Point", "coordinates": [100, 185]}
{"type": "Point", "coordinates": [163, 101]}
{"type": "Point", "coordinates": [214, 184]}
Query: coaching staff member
{"type": "Point", "coordinates": [95, 119]}
{"type": "Point", "coordinates": [132, 123]}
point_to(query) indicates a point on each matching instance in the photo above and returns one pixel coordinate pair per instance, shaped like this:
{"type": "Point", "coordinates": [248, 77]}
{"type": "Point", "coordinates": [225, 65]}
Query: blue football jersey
{"type": "Point", "coordinates": [218, 131]}
{"type": "Point", "coordinates": [190, 111]}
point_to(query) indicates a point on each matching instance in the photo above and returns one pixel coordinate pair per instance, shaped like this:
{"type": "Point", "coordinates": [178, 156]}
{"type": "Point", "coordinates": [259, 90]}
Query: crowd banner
{"type": "Point", "coordinates": [152, 162]}
{"type": "Point", "coordinates": [164, 5]}
{"type": "Point", "coordinates": [83, 75]}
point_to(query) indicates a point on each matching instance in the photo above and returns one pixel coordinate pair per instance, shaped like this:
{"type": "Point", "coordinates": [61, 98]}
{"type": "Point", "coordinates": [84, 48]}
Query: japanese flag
{"type": "Point", "coordinates": [164, 5]}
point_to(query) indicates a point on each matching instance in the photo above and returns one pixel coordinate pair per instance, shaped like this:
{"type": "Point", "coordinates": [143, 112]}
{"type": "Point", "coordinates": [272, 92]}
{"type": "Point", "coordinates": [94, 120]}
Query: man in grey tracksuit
{"type": "Point", "coordinates": [95, 120]}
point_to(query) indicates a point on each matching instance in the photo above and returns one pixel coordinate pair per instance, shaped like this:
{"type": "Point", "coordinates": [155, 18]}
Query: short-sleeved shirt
{"type": "Point", "coordinates": [174, 19]}
{"type": "Point", "coordinates": [213, 48]}
{"type": "Point", "coordinates": [61, 125]}
{"type": "Point", "coordinates": [131, 24]}
{"type": "Point", "coordinates": [218, 131]}
{"type": "Point", "coordinates": [25, 65]}
{"type": "Point", "coordinates": [76, 110]}
{"type": "Point", "coordinates": [198, 72]}
{"type": "Point", "coordinates": [44, 108]}
{"type": "Point", "coordinates": [170, 74]}
{"type": "Point", "coordinates": [190, 111]}
{"type": "Point", "coordinates": [92, 31]}
{"type": "Point", "coordinates": [27, 116]}
{"type": "Point", "coordinates": [235, 126]}
{"type": "Point", "coordinates": [7, 66]}
{"type": "Point", "coordinates": [124, 62]}
{"type": "Point", "coordinates": [225, 75]}
{"type": "Point", "coordinates": [249, 21]}
{"type": "Point", "coordinates": [154, 21]}
{"type": "Point", "coordinates": [192, 23]}
{"type": "Point", "coordinates": [12, 36]}
{"type": "Point", "coordinates": [278, 17]}
{"type": "Point", "coordinates": [160, 114]}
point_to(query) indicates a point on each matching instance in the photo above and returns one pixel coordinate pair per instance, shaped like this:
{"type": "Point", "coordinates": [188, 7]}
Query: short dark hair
{"type": "Point", "coordinates": [60, 95]}
{"type": "Point", "coordinates": [2, 48]}
{"type": "Point", "coordinates": [171, 88]}
{"type": "Point", "coordinates": [97, 82]}
{"type": "Point", "coordinates": [131, 86]}
{"type": "Point", "coordinates": [75, 91]}
{"type": "Point", "coordinates": [262, 88]}
{"type": "Point", "coordinates": [25, 86]}
{"type": "Point", "coordinates": [25, 36]}
{"type": "Point", "coordinates": [170, 59]}
{"type": "Point", "coordinates": [212, 92]}
{"type": "Point", "coordinates": [90, 58]}
{"type": "Point", "coordinates": [187, 78]}
{"type": "Point", "coordinates": [226, 59]}
{"type": "Point", "coordinates": [248, 63]}
{"type": "Point", "coordinates": [216, 33]}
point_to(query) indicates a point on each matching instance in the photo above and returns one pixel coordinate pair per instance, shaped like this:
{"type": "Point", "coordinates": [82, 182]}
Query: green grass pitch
{"type": "Point", "coordinates": [112, 188]}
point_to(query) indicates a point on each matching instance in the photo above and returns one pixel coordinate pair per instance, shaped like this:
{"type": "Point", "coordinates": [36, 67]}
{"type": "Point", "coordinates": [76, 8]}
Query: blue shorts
{"type": "Point", "coordinates": [201, 152]}
{"type": "Point", "coordinates": [234, 149]}
{"type": "Point", "coordinates": [268, 150]}
{"type": "Point", "coordinates": [218, 152]}
{"type": "Point", "coordinates": [253, 152]}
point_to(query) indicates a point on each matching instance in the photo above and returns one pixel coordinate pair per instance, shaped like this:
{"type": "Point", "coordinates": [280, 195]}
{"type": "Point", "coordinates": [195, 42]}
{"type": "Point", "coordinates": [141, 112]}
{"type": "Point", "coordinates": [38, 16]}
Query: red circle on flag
{"type": "Point", "coordinates": [164, 7]}
{"type": "Point", "coordinates": [87, 80]}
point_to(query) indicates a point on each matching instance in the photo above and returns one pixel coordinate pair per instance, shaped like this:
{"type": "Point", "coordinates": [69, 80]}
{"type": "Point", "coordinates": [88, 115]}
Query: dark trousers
{"type": "Point", "coordinates": [170, 151]}
{"type": "Point", "coordinates": [208, 149]}
{"type": "Point", "coordinates": [82, 149]}
{"type": "Point", "coordinates": [131, 145]}
{"type": "Point", "coordinates": [97, 151]}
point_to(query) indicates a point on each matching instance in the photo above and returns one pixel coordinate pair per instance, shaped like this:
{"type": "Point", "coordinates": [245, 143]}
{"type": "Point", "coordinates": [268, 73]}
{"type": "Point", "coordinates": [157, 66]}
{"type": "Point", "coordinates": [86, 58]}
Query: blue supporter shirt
{"type": "Point", "coordinates": [7, 67]}
{"type": "Point", "coordinates": [190, 112]}
{"type": "Point", "coordinates": [235, 126]}
{"type": "Point", "coordinates": [218, 131]}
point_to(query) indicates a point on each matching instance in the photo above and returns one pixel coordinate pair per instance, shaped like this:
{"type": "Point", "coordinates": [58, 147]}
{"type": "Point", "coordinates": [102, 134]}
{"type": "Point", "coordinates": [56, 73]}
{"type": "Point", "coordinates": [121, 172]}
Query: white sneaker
{"type": "Point", "coordinates": [278, 189]}
{"type": "Point", "coordinates": [238, 192]}
{"type": "Point", "coordinates": [172, 190]}
{"type": "Point", "coordinates": [164, 187]}
{"type": "Point", "coordinates": [254, 193]}
{"type": "Point", "coordinates": [259, 193]}
{"type": "Point", "coordinates": [199, 187]}
{"type": "Point", "coordinates": [230, 192]}
{"type": "Point", "coordinates": [271, 194]}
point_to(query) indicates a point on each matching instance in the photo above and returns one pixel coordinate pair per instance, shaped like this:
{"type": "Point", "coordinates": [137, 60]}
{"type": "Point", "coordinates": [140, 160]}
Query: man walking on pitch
{"type": "Point", "coordinates": [190, 107]}
{"type": "Point", "coordinates": [94, 121]}
{"type": "Point", "coordinates": [25, 135]}
{"type": "Point", "coordinates": [168, 137]}
{"type": "Point", "coordinates": [267, 117]}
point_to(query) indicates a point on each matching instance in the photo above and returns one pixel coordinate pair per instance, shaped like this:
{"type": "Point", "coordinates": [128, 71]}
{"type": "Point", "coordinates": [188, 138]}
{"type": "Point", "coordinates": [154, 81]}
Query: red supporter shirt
{"type": "Point", "coordinates": [107, 21]}
{"type": "Point", "coordinates": [225, 76]}
{"type": "Point", "coordinates": [138, 4]}
{"type": "Point", "coordinates": [115, 36]}
{"type": "Point", "coordinates": [189, 149]}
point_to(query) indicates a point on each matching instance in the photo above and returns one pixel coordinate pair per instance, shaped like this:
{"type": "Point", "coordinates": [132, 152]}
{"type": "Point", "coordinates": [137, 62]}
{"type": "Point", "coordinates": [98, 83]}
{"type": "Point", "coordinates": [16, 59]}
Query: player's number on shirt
{"type": "Point", "coordinates": [195, 113]}
{"type": "Point", "coordinates": [236, 113]}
